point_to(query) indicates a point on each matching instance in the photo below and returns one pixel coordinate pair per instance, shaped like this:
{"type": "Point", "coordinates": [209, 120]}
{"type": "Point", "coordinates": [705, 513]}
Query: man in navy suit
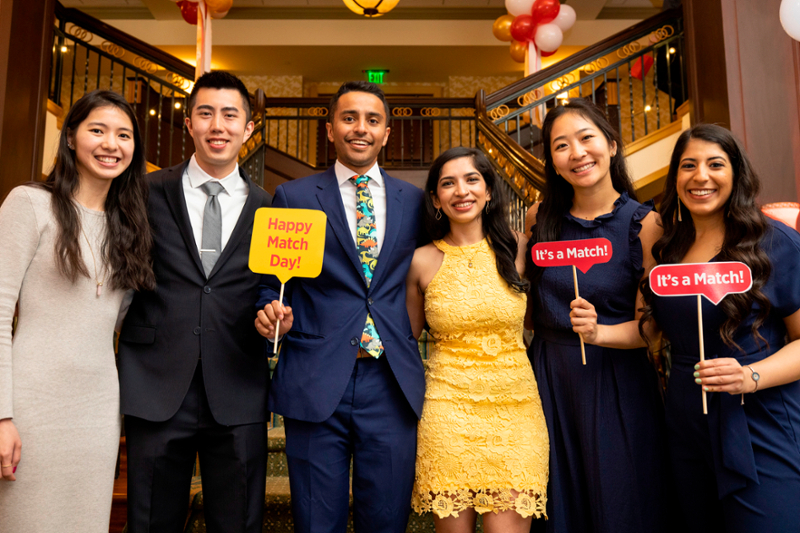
{"type": "Point", "coordinates": [349, 380]}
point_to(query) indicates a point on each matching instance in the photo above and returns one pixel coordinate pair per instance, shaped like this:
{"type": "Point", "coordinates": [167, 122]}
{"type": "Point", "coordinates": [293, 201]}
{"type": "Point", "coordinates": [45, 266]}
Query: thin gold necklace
{"type": "Point", "coordinates": [94, 264]}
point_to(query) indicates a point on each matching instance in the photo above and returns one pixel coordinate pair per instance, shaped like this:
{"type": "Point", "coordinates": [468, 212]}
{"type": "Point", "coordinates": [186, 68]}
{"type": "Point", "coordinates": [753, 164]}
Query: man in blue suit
{"type": "Point", "coordinates": [349, 380]}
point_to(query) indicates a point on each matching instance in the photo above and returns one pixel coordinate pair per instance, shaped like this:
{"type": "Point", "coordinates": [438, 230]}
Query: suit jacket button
{"type": "Point", "coordinates": [353, 341]}
{"type": "Point", "coordinates": [369, 301]}
{"type": "Point", "coordinates": [207, 290]}
{"type": "Point", "coordinates": [197, 330]}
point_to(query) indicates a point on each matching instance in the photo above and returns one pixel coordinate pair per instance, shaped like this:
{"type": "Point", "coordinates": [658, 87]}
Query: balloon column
{"type": "Point", "coordinates": [790, 18]}
{"type": "Point", "coordinates": [199, 13]}
{"type": "Point", "coordinates": [534, 28]}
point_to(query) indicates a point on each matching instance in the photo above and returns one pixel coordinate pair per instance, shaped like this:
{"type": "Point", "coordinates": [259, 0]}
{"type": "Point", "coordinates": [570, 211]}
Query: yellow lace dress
{"type": "Point", "coordinates": [482, 440]}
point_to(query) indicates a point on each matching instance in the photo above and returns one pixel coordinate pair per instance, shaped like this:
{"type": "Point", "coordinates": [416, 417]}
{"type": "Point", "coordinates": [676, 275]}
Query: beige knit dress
{"type": "Point", "coordinates": [58, 380]}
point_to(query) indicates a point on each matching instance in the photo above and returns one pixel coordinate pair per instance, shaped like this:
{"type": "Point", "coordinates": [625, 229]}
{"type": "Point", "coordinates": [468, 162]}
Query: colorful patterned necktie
{"type": "Point", "coordinates": [367, 246]}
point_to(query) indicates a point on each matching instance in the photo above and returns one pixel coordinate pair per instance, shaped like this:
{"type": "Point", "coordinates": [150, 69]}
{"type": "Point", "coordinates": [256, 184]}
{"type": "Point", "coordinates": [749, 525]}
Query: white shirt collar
{"type": "Point", "coordinates": [343, 174]}
{"type": "Point", "coordinates": [198, 176]}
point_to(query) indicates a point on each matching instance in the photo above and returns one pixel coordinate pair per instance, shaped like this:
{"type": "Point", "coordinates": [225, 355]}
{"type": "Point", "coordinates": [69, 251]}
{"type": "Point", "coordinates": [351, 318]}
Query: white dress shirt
{"type": "Point", "coordinates": [348, 191]}
{"type": "Point", "coordinates": [231, 199]}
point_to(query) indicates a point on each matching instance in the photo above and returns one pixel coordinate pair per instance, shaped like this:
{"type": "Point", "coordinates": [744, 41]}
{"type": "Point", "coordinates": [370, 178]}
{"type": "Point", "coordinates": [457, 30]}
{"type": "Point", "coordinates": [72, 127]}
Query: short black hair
{"type": "Point", "coordinates": [219, 79]}
{"type": "Point", "coordinates": [357, 86]}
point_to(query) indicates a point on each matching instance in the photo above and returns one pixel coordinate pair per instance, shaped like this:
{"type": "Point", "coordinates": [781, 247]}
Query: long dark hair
{"type": "Point", "coordinates": [127, 242]}
{"type": "Point", "coordinates": [745, 226]}
{"type": "Point", "coordinates": [558, 193]}
{"type": "Point", "coordinates": [495, 224]}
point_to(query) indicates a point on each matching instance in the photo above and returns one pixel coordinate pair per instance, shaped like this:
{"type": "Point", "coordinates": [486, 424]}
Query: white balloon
{"type": "Point", "coordinates": [566, 17]}
{"type": "Point", "coordinates": [548, 37]}
{"type": "Point", "coordinates": [790, 18]}
{"type": "Point", "coordinates": [519, 7]}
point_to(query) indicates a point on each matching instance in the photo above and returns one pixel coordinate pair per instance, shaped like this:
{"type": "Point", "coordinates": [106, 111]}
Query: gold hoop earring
{"type": "Point", "coordinates": [680, 218]}
{"type": "Point", "coordinates": [438, 214]}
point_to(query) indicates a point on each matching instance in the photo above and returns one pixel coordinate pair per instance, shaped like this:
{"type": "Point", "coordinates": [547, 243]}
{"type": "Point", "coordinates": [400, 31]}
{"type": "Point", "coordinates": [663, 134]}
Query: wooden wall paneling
{"type": "Point", "coordinates": [26, 50]}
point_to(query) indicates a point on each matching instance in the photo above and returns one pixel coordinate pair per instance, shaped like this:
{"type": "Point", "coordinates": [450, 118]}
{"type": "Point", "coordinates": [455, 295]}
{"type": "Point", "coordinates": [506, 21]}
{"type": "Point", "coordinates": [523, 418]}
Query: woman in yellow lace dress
{"type": "Point", "coordinates": [482, 444]}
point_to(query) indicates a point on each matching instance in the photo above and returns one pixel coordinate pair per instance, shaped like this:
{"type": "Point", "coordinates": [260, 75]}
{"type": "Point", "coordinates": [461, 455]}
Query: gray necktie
{"type": "Point", "coordinates": [211, 244]}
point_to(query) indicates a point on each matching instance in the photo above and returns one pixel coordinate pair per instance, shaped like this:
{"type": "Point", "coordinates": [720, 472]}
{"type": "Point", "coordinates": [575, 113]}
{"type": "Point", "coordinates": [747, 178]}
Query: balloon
{"type": "Point", "coordinates": [188, 11]}
{"type": "Point", "coordinates": [502, 27]}
{"type": "Point", "coordinates": [548, 37]}
{"type": "Point", "coordinates": [522, 29]}
{"type": "Point", "coordinates": [216, 15]}
{"type": "Point", "coordinates": [547, 54]}
{"type": "Point", "coordinates": [518, 50]}
{"type": "Point", "coordinates": [565, 18]}
{"type": "Point", "coordinates": [190, 1]}
{"type": "Point", "coordinates": [218, 5]}
{"type": "Point", "coordinates": [519, 7]}
{"type": "Point", "coordinates": [790, 18]}
{"type": "Point", "coordinates": [545, 11]}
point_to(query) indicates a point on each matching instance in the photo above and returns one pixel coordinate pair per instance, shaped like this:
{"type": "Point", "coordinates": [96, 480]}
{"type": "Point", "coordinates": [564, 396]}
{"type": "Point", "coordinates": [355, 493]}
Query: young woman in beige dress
{"type": "Point", "coordinates": [482, 444]}
{"type": "Point", "coordinates": [69, 250]}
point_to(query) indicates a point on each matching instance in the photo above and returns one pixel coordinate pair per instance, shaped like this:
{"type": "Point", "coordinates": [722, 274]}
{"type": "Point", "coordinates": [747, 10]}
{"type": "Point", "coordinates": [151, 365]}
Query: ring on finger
{"type": "Point", "coordinates": [6, 466]}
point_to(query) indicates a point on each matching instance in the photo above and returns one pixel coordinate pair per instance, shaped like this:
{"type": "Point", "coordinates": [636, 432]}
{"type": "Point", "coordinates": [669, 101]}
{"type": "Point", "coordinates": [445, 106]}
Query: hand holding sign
{"type": "Point", "coordinates": [582, 254]}
{"type": "Point", "coordinates": [712, 280]}
{"type": "Point", "coordinates": [288, 243]}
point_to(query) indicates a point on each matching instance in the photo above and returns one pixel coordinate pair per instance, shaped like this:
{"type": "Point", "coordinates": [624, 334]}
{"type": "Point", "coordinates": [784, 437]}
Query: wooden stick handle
{"type": "Point", "coordinates": [575, 280]}
{"type": "Point", "coordinates": [702, 345]}
{"type": "Point", "coordinates": [278, 323]}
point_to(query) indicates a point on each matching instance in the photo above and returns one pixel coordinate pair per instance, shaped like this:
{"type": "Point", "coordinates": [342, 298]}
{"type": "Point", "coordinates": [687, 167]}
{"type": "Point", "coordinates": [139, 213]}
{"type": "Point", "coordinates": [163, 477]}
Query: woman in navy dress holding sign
{"type": "Point", "coordinates": [605, 419]}
{"type": "Point", "coordinates": [738, 468]}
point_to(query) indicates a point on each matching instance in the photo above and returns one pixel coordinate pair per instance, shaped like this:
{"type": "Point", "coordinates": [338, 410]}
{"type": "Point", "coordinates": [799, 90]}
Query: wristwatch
{"type": "Point", "coordinates": [755, 375]}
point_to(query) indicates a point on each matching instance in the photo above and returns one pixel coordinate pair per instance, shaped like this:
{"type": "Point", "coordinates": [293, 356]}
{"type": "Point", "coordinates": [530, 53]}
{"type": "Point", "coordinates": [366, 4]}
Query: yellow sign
{"type": "Point", "coordinates": [288, 243]}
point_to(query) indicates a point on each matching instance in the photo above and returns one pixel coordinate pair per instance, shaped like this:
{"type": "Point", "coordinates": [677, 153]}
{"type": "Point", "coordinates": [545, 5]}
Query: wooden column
{"type": "Point", "coordinates": [26, 49]}
{"type": "Point", "coordinates": [744, 74]}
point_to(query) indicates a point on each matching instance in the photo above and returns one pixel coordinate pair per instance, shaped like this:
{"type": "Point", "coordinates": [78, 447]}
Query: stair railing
{"type": "Point", "coordinates": [89, 54]}
{"type": "Point", "coordinates": [636, 76]}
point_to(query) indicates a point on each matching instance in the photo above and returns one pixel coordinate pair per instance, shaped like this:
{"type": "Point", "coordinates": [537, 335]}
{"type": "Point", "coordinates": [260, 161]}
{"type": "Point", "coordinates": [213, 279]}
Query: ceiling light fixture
{"type": "Point", "coordinates": [370, 8]}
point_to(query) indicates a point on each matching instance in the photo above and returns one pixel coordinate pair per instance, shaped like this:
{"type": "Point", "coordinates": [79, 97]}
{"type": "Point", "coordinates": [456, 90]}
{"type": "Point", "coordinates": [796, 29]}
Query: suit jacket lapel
{"type": "Point", "coordinates": [331, 201]}
{"type": "Point", "coordinates": [173, 189]}
{"type": "Point", "coordinates": [244, 223]}
{"type": "Point", "coordinates": [394, 221]}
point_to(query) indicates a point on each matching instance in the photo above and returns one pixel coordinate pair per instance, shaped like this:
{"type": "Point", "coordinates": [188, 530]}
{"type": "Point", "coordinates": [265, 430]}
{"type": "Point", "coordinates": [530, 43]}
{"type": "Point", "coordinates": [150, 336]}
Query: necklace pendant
{"type": "Point", "coordinates": [99, 289]}
{"type": "Point", "coordinates": [470, 264]}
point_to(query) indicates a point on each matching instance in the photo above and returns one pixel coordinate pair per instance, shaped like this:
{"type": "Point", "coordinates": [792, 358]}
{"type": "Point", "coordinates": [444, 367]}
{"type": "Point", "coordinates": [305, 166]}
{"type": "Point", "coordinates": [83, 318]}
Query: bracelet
{"type": "Point", "coordinates": [755, 375]}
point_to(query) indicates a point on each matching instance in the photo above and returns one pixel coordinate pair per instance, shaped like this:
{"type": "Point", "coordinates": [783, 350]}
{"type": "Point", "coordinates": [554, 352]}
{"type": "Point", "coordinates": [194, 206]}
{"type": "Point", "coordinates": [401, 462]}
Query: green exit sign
{"type": "Point", "coordinates": [375, 76]}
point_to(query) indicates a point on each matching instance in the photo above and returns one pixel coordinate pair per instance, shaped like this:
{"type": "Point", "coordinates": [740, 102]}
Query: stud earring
{"type": "Point", "coordinates": [680, 218]}
{"type": "Point", "coordinates": [70, 146]}
{"type": "Point", "coordinates": [438, 214]}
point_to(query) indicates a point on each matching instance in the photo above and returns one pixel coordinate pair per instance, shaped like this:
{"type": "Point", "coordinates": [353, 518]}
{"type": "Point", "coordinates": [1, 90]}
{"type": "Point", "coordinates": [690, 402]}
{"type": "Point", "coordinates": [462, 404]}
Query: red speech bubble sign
{"type": "Point", "coordinates": [584, 253]}
{"type": "Point", "coordinates": [712, 280]}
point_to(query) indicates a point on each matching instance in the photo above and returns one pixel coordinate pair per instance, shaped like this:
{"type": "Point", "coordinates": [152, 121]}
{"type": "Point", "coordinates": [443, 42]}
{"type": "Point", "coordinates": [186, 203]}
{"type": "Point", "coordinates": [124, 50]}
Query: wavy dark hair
{"type": "Point", "coordinates": [745, 226]}
{"type": "Point", "coordinates": [558, 193]}
{"type": "Point", "coordinates": [127, 243]}
{"type": "Point", "coordinates": [495, 224]}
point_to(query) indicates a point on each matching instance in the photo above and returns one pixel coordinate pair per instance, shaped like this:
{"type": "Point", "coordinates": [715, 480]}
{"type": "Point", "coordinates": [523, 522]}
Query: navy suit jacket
{"type": "Point", "coordinates": [188, 316]}
{"type": "Point", "coordinates": [319, 352]}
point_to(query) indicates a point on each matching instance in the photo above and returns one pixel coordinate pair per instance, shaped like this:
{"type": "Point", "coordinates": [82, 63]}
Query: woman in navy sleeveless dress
{"type": "Point", "coordinates": [607, 458]}
{"type": "Point", "coordinates": [738, 468]}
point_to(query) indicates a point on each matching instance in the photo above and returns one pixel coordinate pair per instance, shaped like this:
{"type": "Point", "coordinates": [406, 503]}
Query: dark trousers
{"type": "Point", "coordinates": [161, 457]}
{"type": "Point", "coordinates": [376, 427]}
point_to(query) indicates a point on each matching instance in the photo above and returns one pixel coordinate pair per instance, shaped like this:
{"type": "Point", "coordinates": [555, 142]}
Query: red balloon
{"type": "Point", "coordinates": [547, 54]}
{"type": "Point", "coordinates": [188, 11]}
{"type": "Point", "coordinates": [545, 11]}
{"type": "Point", "coordinates": [523, 28]}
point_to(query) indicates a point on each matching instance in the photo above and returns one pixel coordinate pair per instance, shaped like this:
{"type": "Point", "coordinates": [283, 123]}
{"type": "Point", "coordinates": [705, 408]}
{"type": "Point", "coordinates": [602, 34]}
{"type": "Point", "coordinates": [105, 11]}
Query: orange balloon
{"type": "Point", "coordinates": [218, 6]}
{"type": "Point", "coordinates": [518, 51]}
{"type": "Point", "coordinates": [215, 15]}
{"type": "Point", "coordinates": [502, 28]}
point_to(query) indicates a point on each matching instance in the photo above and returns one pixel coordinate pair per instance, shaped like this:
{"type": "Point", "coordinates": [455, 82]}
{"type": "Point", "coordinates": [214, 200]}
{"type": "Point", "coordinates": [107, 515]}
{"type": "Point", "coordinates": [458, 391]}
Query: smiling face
{"type": "Point", "coordinates": [358, 130]}
{"type": "Point", "coordinates": [461, 191]}
{"type": "Point", "coordinates": [103, 144]}
{"type": "Point", "coordinates": [219, 126]}
{"type": "Point", "coordinates": [581, 153]}
{"type": "Point", "coordinates": [705, 179]}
